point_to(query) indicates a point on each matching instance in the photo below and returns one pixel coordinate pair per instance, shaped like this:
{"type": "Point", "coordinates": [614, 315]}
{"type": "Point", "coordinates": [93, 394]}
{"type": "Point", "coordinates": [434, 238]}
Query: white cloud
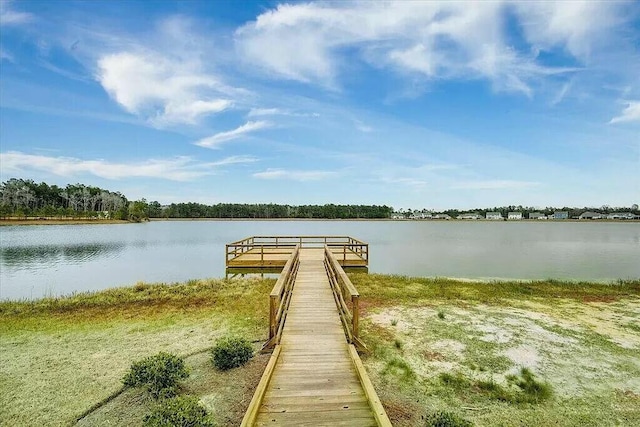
{"type": "Point", "coordinates": [630, 114]}
{"type": "Point", "coordinates": [493, 185]}
{"type": "Point", "coordinates": [214, 141]}
{"type": "Point", "coordinates": [181, 168]}
{"type": "Point", "coordinates": [363, 127]}
{"type": "Point", "coordinates": [435, 39]}
{"type": "Point", "coordinates": [9, 16]}
{"type": "Point", "coordinates": [261, 112]}
{"type": "Point", "coordinates": [164, 90]}
{"type": "Point", "coordinates": [294, 175]}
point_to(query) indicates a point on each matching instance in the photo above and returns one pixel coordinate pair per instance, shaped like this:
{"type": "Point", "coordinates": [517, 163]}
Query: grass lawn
{"type": "Point", "coordinates": [61, 356]}
{"type": "Point", "coordinates": [504, 354]}
{"type": "Point", "coordinates": [497, 354]}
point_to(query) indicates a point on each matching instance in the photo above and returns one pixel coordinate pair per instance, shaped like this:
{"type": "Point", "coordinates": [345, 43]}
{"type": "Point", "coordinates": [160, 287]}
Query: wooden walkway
{"type": "Point", "coordinates": [314, 378]}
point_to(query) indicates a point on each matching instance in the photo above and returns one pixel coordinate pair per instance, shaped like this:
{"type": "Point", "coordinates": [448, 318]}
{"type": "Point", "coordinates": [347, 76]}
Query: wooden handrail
{"type": "Point", "coordinates": [280, 297]}
{"type": "Point", "coordinates": [343, 291]}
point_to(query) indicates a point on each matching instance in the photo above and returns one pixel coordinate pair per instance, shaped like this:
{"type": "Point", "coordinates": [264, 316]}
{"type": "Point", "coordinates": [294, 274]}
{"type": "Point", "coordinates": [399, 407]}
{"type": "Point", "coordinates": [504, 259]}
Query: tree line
{"type": "Point", "coordinates": [268, 211]}
{"type": "Point", "coordinates": [25, 198]}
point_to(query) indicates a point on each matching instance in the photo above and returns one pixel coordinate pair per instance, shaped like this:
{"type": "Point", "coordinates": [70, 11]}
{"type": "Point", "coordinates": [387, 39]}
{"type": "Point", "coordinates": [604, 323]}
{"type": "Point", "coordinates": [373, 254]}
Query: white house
{"type": "Point", "coordinates": [442, 216]}
{"type": "Point", "coordinates": [621, 215]}
{"type": "Point", "coordinates": [471, 216]}
{"type": "Point", "coordinates": [537, 215]}
{"type": "Point", "coordinates": [494, 216]}
{"type": "Point", "coordinates": [514, 215]}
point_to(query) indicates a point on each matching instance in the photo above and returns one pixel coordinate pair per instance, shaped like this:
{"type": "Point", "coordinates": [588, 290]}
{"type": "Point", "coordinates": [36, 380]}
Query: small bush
{"type": "Point", "coordinates": [446, 419]}
{"type": "Point", "coordinates": [532, 390]}
{"type": "Point", "coordinates": [159, 374]}
{"type": "Point", "coordinates": [231, 352]}
{"type": "Point", "coordinates": [441, 315]}
{"type": "Point", "coordinates": [179, 412]}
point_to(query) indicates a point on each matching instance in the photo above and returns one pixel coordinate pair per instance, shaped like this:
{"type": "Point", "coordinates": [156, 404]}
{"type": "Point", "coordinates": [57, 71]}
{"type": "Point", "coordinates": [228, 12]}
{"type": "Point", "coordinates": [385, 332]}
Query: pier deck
{"type": "Point", "coordinates": [315, 376]}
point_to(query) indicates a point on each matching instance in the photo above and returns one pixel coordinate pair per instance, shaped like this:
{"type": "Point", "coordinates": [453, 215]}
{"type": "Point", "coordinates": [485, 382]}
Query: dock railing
{"type": "Point", "coordinates": [342, 246]}
{"type": "Point", "coordinates": [347, 298]}
{"type": "Point", "coordinates": [279, 299]}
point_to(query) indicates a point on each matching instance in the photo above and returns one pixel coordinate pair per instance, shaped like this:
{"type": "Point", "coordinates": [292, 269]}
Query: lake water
{"type": "Point", "coordinates": [37, 261]}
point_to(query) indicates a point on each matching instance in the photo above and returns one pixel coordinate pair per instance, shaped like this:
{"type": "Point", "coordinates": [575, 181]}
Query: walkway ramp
{"type": "Point", "coordinates": [315, 377]}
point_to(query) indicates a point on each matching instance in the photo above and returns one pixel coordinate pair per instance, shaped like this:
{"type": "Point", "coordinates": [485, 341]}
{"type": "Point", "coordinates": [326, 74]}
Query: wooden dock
{"type": "Point", "coordinates": [274, 251]}
{"type": "Point", "coordinates": [315, 376]}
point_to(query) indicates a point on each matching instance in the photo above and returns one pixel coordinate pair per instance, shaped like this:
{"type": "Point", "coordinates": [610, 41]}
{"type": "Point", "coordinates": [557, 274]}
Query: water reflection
{"type": "Point", "coordinates": [45, 256]}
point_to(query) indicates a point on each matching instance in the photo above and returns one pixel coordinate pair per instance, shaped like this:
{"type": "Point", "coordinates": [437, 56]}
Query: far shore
{"type": "Point", "coordinates": [76, 221]}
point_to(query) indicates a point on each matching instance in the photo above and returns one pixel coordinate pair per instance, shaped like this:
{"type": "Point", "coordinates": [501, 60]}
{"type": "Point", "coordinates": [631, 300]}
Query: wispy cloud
{"type": "Point", "coordinates": [294, 175]}
{"type": "Point", "coordinates": [181, 168]}
{"type": "Point", "coordinates": [363, 127]}
{"type": "Point", "coordinates": [214, 141]}
{"type": "Point", "coordinates": [630, 114]}
{"type": "Point", "coordinates": [435, 39]}
{"type": "Point", "coordinates": [494, 185]}
{"type": "Point", "coordinates": [261, 112]}
{"type": "Point", "coordinates": [10, 16]}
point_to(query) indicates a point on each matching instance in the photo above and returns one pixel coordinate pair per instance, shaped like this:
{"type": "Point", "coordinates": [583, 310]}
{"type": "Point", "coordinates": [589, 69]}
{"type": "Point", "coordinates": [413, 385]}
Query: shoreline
{"type": "Point", "coordinates": [38, 221]}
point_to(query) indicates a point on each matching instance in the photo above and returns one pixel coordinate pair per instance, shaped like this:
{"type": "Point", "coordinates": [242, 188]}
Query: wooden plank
{"type": "Point", "coordinates": [314, 381]}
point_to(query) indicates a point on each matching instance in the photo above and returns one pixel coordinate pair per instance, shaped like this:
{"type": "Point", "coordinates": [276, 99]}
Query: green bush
{"type": "Point", "coordinates": [231, 352]}
{"type": "Point", "coordinates": [446, 419]}
{"type": "Point", "coordinates": [532, 390]}
{"type": "Point", "coordinates": [159, 374]}
{"type": "Point", "coordinates": [179, 412]}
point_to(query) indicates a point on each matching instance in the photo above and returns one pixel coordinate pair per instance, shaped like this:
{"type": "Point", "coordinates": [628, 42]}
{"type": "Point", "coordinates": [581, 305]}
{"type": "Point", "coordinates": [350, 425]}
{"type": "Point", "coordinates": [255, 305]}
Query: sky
{"type": "Point", "coordinates": [416, 104]}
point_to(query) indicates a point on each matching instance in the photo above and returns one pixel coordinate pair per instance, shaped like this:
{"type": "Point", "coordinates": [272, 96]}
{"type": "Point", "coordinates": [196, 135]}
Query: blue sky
{"type": "Point", "coordinates": [411, 104]}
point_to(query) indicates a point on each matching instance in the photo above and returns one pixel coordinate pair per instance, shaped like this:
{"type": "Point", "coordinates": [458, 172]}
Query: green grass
{"type": "Point", "coordinates": [381, 289]}
{"type": "Point", "coordinates": [62, 355]}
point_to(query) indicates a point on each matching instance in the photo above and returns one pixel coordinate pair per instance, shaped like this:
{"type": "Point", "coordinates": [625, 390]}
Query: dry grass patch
{"type": "Point", "coordinates": [520, 354]}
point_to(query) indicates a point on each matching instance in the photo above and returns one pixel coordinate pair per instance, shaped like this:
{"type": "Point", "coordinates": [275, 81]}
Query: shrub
{"type": "Point", "coordinates": [159, 374]}
{"type": "Point", "coordinates": [231, 352]}
{"type": "Point", "coordinates": [532, 390]}
{"type": "Point", "coordinates": [179, 412]}
{"type": "Point", "coordinates": [446, 419]}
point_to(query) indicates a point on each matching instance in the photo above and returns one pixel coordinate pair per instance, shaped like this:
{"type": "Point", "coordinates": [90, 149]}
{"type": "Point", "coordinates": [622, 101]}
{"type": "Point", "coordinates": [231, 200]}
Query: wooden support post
{"type": "Point", "coordinates": [356, 315]}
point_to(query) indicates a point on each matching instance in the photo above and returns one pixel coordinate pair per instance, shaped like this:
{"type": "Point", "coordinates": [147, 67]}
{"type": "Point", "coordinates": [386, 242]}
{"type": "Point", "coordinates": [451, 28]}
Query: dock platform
{"type": "Point", "coordinates": [315, 376]}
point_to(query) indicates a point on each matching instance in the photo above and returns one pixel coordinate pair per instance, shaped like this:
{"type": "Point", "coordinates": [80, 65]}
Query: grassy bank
{"type": "Point", "coordinates": [60, 356]}
{"type": "Point", "coordinates": [510, 354]}
{"type": "Point", "coordinates": [436, 344]}
{"type": "Point", "coordinates": [37, 221]}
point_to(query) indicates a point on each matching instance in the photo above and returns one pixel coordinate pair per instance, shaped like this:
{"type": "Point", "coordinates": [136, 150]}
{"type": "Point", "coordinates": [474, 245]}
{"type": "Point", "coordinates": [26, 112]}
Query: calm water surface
{"type": "Point", "coordinates": [53, 260]}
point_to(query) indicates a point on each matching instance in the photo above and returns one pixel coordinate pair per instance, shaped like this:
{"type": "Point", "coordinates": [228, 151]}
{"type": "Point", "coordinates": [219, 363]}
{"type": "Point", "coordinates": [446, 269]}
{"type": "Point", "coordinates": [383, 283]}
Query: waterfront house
{"type": "Point", "coordinates": [561, 215]}
{"type": "Point", "coordinates": [621, 215]}
{"type": "Point", "coordinates": [442, 216]}
{"type": "Point", "coordinates": [514, 215]}
{"type": "Point", "coordinates": [494, 216]}
{"type": "Point", "coordinates": [537, 215]}
{"type": "Point", "coordinates": [470, 216]}
{"type": "Point", "coordinates": [591, 215]}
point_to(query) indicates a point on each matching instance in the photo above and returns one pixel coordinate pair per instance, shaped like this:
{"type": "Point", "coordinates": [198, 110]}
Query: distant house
{"type": "Point", "coordinates": [591, 215]}
{"type": "Point", "coordinates": [397, 216]}
{"type": "Point", "coordinates": [420, 215]}
{"type": "Point", "coordinates": [561, 215]}
{"type": "Point", "coordinates": [537, 215]}
{"type": "Point", "coordinates": [514, 215]}
{"type": "Point", "coordinates": [494, 216]}
{"type": "Point", "coordinates": [470, 216]}
{"type": "Point", "coordinates": [442, 216]}
{"type": "Point", "coordinates": [621, 215]}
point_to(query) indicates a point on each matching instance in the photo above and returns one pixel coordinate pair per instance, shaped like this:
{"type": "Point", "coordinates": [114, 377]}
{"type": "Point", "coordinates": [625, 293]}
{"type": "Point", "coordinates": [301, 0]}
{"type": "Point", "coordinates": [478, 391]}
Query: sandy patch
{"type": "Point", "coordinates": [523, 356]}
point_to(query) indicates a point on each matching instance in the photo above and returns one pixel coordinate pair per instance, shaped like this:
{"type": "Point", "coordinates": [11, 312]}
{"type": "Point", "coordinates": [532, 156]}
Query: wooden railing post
{"type": "Point", "coordinates": [356, 316]}
{"type": "Point", "coordinates": [273, 311]}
